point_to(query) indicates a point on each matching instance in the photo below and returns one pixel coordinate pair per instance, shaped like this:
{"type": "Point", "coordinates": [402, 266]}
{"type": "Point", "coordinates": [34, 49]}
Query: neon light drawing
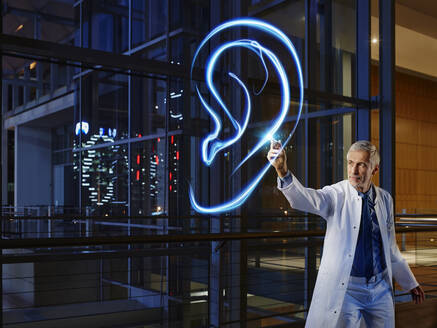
{"type": "Point", "coordinates": [211, 145]}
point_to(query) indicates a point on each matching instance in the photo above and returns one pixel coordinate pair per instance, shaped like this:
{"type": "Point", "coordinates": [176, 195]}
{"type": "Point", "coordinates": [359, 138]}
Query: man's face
{"type": "Point", "coordinates": [360, 170]}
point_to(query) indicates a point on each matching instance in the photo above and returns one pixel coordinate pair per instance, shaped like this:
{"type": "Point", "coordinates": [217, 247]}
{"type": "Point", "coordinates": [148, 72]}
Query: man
{"type": "Point", "coordinates": [360, 254]}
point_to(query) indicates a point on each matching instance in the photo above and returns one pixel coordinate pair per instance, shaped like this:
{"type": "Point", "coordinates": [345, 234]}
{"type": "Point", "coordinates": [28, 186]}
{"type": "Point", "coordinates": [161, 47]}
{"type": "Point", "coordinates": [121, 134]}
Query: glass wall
{"type": "Point", "coordinates": [126, 140]}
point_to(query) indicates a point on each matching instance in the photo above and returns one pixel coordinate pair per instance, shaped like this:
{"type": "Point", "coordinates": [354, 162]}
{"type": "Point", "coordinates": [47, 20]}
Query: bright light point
{"type": "Point", "coordinates": [374, 40]}
{"type": "Point", "coordinates": [82, 126]}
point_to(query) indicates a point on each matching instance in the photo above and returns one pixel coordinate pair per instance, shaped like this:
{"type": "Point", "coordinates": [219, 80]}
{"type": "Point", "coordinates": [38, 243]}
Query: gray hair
{"type": "Point", "coordinates": [364, 145]}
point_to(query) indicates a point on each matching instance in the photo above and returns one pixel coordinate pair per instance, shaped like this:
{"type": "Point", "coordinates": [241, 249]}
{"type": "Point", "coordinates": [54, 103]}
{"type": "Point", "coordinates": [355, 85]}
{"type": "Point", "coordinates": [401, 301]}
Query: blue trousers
{"type": "Point", "coordinates": [368, 304]}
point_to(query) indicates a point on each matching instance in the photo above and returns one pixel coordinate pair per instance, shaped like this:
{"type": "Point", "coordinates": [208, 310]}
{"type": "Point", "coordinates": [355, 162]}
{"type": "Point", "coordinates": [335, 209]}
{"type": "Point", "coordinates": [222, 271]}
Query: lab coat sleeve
{"type": "Point", "coordinates": [400, 268]}
{"type": "Point", "coordinates": [319, 202]}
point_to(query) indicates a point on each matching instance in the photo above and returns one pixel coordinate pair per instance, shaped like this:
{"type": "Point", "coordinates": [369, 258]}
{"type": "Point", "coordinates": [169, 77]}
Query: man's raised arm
{"type": "Point", "coordinates": [319, 202]}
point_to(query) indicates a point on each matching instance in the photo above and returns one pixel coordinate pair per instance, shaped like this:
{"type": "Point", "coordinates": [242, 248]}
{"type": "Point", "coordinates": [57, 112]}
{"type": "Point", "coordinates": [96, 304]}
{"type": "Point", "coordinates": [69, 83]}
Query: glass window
{"type": "Point", "coordinates": [149, 20]}
{"type": "Point", "coordinates": [267, 199]}
{"type": "Point", "coordinates": [148, 99]}
{"type": "Point", "coordinates": [328, 143]}
{"type": "Point", "coordinates": [55, 21]}
{"type": "Point", "coordinates": [104, 25]}
{"type": "Point", "coordinates": [104, 107]}
{"type": "Point", "coordinates": [335, 64]}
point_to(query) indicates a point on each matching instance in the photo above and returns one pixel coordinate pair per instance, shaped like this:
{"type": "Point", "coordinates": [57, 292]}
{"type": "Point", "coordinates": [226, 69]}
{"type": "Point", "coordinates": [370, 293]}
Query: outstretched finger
{"type": "Point", "coordinates": [275, 144]}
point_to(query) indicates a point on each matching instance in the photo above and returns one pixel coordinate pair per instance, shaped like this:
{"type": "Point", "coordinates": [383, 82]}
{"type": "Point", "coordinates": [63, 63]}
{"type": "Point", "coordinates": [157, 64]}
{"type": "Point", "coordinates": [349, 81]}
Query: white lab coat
{"type": "Point", "coordinates": [340, 205]}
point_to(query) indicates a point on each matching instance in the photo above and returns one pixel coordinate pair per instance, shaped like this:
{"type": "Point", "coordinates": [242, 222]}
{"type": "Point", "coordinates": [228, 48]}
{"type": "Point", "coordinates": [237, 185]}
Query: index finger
{"type": "Point", "coordinates": [275, 144]}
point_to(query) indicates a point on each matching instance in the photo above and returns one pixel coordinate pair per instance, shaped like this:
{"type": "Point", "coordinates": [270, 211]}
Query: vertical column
{"type": "Point", "coordinates": [178, 307]}
{"type": "Point", "coordinates": [129, 146]}
{"type": "Point", "coordinates": [78, 106]}
{"type": "Point", "coordinates": [26, 85]}
{"type": "Point", "coordinates": [310, 83]}
{"type": "Point", "coordinates": [38, 68]}
{"type": "Point", "coordinates": [183, 203]}
{"type": "Point", "coordinates": [39, 80]}
{"type": "Point", "coordinates": [216, 267]}
{"type": "Point", "coordinates": [4, 163]}
{"type": "Point", "coordinates": [3, 168]}
{"type": "Point", "coordinates": [310, 43]}
{"type": "Point", "coordinates": [327, 165]}
{"type": "Point", "coordinates": [309, 71]}
{"type": "Point", "coordinates": [387, 144]}
{"type": "Point", "coordinates": [238, 256]}
{"type": "Point", "coordinates": [54, 77]}
{"type": "Point", "coordinates": [171, 267]}
{"type": "Point", "coordinates": [362, 121]}
{"type": "Point", "coordinates": [215, 291]}
{"type": "Point", "coordinates": [3, 139]}
{"type": "Point", "coordinates": [325, 79]}
{"type": "Point", "coordinates": [15, 89]}
{"type": "Point", "coordinates": [326, 45]}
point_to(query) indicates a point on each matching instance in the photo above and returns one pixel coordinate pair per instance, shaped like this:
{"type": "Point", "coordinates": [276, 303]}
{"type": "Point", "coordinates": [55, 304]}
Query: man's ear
{"type": "Point", "coordinates": [375, 170]}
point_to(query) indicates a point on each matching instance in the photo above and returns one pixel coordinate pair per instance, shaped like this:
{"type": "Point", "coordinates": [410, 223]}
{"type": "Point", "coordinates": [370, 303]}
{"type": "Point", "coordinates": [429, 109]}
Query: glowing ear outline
{"type": "Point", "coordinates": [208, 154]}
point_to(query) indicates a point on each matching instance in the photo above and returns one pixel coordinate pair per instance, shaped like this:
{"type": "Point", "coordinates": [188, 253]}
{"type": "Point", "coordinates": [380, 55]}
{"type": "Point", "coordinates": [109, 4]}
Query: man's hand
{"type": "Point", "coordinates": [418, 295]}
{"type": "Point", "coordinates": [277, 158]}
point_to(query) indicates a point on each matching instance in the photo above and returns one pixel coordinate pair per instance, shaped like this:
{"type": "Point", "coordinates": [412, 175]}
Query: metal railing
{"type": "Point", "coordinates": [173, 278]}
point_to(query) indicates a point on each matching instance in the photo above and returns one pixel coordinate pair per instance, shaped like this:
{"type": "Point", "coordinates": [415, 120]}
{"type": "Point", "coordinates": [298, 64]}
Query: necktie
{"type": "Point", "coordinates": [367, 238]}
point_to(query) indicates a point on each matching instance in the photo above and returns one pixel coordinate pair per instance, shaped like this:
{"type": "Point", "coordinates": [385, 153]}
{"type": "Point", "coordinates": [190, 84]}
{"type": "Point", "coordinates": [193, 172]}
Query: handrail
{"type": "Point", "coordinates": [425, 215]}
{"type": "Point", "coordinates": [176, 238]}
{"type": "Point", "coordinates": [296, 214]}
{"type": "Point", "coordinates": [165, 217]}
{"type": "Point", "coordinates": [100, 254]}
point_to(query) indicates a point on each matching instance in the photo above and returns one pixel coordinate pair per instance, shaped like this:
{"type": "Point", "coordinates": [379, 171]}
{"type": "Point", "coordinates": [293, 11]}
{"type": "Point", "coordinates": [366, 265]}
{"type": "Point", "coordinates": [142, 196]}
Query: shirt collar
{"type": "Point", "coordinates": [370, 193]}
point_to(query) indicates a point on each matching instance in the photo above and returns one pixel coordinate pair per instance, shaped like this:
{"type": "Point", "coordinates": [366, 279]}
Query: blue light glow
{"type": "Point", "coordinates": [211, 145]}
{"type": "Point", "coordinates": [82, 127]}
{"type": "Point", "coordinates": [112, 132]}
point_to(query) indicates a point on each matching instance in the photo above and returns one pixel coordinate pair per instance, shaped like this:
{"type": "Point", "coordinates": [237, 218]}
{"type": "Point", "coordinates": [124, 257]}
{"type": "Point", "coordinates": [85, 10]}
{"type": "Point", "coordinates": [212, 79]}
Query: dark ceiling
{"type": "Point", "coordinates": [427, 7]}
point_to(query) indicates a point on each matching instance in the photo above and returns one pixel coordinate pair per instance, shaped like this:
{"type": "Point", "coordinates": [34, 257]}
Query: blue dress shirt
{"type": "Point", "coordinates": [369, 254]}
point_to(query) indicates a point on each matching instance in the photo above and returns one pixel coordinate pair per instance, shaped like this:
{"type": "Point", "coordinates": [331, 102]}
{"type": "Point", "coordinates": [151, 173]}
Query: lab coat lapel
{"type": "Point", "coordinates": [383, 222]}
{"type": "Point", "coordinates": [356, 205]}
{"type": "Point", "coordinates": [382, 219]}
